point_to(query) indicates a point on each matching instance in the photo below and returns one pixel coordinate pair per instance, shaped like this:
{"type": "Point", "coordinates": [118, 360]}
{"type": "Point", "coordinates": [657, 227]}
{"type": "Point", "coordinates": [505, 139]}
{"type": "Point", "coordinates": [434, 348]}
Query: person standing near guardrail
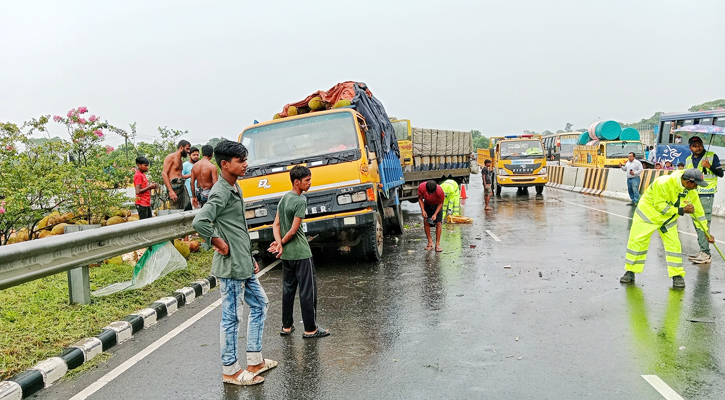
{"type": "Point", "coordinates": [171, 174]}
{"type": "Point", "coordinates": [143, 188]}
{"type": "Point", "coordinates": [665, 200]}
{"type": "Point", "coordinates": [186, 172]}
{"type": "Point", "coordinates": [203, 177]}
{"type": "Point", "coordinates": [294, 250]}
{"type": "Point", "coordinates": [222, 225]}
{"type": "Point", "coordinates": [709, 163]}
{"type": "Point", "coordinates": [634, 169]}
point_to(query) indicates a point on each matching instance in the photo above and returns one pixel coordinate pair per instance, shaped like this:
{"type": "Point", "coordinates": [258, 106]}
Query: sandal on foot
{"type": "Point", "coordinates": [268, 364]}
{"type": "Point", "coordinates": [283, 332]}
{"type": "Point", "coordinates": [320, 332]}
{"type": "Point", "coordinates": [439, 249]}
{"type": "Point", "coordinates": [243, 378]}
{"type": "Point", "coordinates": [429, 247]}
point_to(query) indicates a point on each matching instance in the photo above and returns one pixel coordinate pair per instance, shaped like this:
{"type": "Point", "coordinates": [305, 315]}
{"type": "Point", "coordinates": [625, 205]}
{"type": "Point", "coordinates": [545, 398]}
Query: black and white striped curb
{"type": "Point", "coordinates": [48, 371]}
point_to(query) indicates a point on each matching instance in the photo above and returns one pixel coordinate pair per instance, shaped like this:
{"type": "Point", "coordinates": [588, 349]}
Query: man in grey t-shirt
{"type": "Point", "coordinates": [634, 169]}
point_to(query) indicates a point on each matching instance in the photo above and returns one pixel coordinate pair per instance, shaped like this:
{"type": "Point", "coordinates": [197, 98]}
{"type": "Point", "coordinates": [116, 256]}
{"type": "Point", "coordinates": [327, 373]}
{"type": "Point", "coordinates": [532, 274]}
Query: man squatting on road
{"type": "Point", "coordinates": [667, 198]}
{"type": "Point", "coordinates": [297, 266]}
{"type": "Point", "coordinates": [203, 177]}
{"type": "Point", "coordinates": [171, 175]}
{"type": "Point", "coordinates": [634, 169]}
{"type": "Point", "coordinates": [430, 199]}
{"type": "Point", "coordinates": [221, 222]}
{"type": "Point", "coordinates": [709, 163]}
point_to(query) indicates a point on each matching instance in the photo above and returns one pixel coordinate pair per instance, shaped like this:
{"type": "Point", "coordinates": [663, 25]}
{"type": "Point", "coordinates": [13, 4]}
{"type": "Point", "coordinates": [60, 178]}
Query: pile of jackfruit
{"type": "Point", "coordinates": [315, 104]}
{"type": "Point", "coordinates": [54, 223]}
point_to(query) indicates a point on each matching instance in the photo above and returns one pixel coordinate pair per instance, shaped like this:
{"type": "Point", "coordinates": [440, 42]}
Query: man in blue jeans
{"type": "Point", "coordinates": [634, 169]}
{"type": "Point", "coordinates": [221, 223]}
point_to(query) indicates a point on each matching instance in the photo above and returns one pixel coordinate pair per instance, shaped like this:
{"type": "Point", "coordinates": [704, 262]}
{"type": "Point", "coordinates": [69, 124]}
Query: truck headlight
{"type": "Point", "coordinates": [502, 171]}
{"type": "Point", "coordinates": [344, 199]}
{"type": "Point", "coordinates": [542, 171]}
{"type": "Point", "coordinates": [359, 196]}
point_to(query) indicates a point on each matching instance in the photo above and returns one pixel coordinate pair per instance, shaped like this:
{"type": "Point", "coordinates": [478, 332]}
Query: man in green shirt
{"type": "Point", "coordinates": [298, 269]}
{"type": "Point", "coordinates": [221, 223]}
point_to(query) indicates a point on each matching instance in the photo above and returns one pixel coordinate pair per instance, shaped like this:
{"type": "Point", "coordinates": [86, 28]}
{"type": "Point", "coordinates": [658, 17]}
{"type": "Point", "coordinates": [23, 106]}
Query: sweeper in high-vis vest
{"type": "Point", "coordinates": [709, 163]}
{"type": "Point", "coordinates": [665, 200]}
{"type": "Point", "coordinates": [452, 203]}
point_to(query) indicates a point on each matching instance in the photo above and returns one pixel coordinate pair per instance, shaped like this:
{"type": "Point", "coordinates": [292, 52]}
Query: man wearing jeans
{"type": "Point", "coordinates": [221, 223]}
{"type": "Point", "coordinates": [634, 169]}
{"type": "Point", "coordinates": [709, 164]}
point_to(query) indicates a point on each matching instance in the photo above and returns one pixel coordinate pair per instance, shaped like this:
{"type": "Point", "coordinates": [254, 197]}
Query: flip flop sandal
{"type": "Point", "coordinates": [246, 378]}
{"type": "Point", "coordinates": [321, 332]}
{"type": "Point", "coordinates": [268, 364]}
{"type": "Point", "coordinates": [439, 250]}
{"type": "Point", "coordinates": [283, 332]}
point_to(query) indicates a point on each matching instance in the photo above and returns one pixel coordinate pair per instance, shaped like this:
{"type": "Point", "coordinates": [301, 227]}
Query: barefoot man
{"type": "Point", "coordinates": [203, 177]}
{"type": "Point", "coordinates": [430, 199]}
{"type": "Point", "coordinates": [172, 176]}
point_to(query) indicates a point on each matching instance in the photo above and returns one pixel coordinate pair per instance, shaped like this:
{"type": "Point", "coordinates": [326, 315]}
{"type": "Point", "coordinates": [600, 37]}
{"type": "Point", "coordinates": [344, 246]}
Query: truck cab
{"type": "Point", "coordinates": [607, 153]}
{"type": "Point", "coordinates": [353, 197]}
{"type": "Point", "coordinates": [519, 161]}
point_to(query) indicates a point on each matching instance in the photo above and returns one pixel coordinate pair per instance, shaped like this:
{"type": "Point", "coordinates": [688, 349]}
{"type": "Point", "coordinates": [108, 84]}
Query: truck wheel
{"type": "Point", "coordinates": [372, 240]}
{"type": "Point", "coordinates": [498, 190]}
{"type": "Point", "coordinates": [395, 224]}
{"type": "Point", "coordinates": [539, 189]}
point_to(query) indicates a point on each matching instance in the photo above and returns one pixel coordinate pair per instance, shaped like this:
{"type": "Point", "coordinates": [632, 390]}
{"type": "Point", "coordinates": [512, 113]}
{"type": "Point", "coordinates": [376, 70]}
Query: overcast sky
{"type": "Point", "coordinates": [500, 67]}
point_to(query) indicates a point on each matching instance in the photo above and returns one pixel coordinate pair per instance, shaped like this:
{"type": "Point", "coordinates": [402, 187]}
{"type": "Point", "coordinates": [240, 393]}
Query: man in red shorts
{"type": "Point", "coordinates": [430, 199]}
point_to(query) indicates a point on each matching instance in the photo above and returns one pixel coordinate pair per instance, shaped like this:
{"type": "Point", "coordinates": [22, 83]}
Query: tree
{"type": "Point", "coordinates": [475, 134]}
{"type": "Point", "coordinates": [710, 105]}
{"type": "Point", "coordinates": [567, 127]}
{"type": "Point", "coordinates": [214, 141]}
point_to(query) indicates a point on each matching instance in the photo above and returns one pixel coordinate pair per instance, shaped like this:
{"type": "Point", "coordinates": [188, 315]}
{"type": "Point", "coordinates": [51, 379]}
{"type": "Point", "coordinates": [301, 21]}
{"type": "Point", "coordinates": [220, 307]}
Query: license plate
{"type": "Point", "coordinates": [520, 162]}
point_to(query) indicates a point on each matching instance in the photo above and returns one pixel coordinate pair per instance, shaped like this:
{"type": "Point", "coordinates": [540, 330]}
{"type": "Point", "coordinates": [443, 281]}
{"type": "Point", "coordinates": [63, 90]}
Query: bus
{"type": "Point", "coordinates": [672, 146]}
{"type": "Point", "coordinates": [559, 147]}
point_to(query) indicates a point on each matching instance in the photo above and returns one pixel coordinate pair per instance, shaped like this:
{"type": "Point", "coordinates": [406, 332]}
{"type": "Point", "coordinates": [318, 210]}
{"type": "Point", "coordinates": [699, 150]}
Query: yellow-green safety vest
{"type": "Point", "coordinates": [710, 178]}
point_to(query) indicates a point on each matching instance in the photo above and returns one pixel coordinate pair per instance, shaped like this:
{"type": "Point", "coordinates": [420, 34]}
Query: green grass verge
{"type": "Point", "coordinates": [36, 321]}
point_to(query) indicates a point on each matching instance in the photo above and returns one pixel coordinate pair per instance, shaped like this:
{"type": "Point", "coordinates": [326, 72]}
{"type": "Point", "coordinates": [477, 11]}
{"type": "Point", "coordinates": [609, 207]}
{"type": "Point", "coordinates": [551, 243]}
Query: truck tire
{"type": "Point", "coordinates": [372, 240]}
{"type": "Point", "coordinates": [395, 224]}
{"type": "Point", "coordinates": [539, 189]}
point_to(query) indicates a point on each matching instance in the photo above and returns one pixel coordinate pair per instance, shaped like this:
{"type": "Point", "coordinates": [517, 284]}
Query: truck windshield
{"type": "Point", "coordinates": [622, 149]}
{"type": "Point", "coordinates": [521, 149]}
{"type": "Point", "coordinates": [301, 139]}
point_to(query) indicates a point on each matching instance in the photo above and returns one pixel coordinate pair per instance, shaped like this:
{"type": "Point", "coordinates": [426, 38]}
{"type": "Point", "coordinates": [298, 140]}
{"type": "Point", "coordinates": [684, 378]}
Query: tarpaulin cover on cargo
{"type": "Point", "coordinates": [380, 135]}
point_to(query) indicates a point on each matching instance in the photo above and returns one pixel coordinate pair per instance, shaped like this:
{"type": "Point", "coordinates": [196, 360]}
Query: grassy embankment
{"type": "Point", "coordinates": [36, 321]}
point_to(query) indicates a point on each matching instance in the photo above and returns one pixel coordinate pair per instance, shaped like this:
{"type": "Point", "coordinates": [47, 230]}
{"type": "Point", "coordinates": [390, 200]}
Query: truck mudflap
{"type": "Point", "coordinates": [326, 224]}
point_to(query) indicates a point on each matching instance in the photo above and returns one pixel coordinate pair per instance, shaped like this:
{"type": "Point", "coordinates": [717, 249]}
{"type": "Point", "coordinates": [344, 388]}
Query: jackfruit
{"type": "Point", "coordinates": [114, 220]}
{"type": "Point", "coordinates": [81, 222]}
{"type": "Point", "coordinates": [53, 218]}
{"type": "Point", "coordinates": [182, 247]}
{"type": "Point", "coordinates": [132, 218]}
{"type": "Point", "coordinates": [44, 234]}
{"type": "Point", "coordinates": [291, 111]}
{"type": "Point", "coordinates": [114, 260]}
{"type": "Point", "coordinates": [22, 235]}
{"type": "Point", "coordinates": [342, 103]}
{"type": "Point", "coordinates": [67, 216]}
{"type": "Point", "coordinates": [277, 116]}
{"type": "Point", "coordinates": [316, 104]}
{"type": "Point", "coordinates": [43, 222]}
{"type": "Point", "coordinates": [96, 220]}
{"type": "Point", "coordinates": [59, 229]}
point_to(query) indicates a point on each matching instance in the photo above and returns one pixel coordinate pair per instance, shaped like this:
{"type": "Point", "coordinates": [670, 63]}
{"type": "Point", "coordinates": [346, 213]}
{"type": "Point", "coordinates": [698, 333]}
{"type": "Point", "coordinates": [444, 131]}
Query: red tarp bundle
{"type": "Point", "coordinates": [341, 91]}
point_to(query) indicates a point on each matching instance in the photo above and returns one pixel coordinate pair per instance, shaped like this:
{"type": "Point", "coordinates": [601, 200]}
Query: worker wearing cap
{"type": "Point", "coordinates": [452, 203]}
{"type": "Point", "coordinates": [709, 163]}
{"type": "Point", "coordinates": [667, 198]}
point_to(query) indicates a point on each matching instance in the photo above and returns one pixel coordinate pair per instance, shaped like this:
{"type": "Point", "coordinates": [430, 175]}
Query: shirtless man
{"type": "Point", "coordinates": [172, 176]}
{"type": "Point", "coordinates": [203, 177]}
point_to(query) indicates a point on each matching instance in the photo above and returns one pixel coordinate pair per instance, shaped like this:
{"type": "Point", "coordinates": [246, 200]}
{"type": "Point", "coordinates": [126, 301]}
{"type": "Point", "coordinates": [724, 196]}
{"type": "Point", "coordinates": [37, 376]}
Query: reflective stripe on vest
{"type": "Point", "coordinates": [710, 178]}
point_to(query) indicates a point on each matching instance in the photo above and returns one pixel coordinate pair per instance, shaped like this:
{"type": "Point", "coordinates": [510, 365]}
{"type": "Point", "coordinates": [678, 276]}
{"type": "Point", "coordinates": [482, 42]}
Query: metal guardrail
{"type": "Point", "coordinates": [27, 261]}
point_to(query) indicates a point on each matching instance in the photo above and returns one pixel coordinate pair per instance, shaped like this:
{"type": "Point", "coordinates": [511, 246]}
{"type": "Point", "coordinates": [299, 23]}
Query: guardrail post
{"type": "Point", "coordinates": [79, 285]}
{"type": "Point", "coordinates": [79, 282]}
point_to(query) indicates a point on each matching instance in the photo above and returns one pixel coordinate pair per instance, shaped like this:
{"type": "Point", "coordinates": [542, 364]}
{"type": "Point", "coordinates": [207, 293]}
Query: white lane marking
{"type": "Point", "coordinates": [153, 346]}
{"type": "Point", "coordinates": [625, 217]}
{"type": "Point", "coordinates": [662, 387]}
{"type": "Point", "coordinates": [493, 236]}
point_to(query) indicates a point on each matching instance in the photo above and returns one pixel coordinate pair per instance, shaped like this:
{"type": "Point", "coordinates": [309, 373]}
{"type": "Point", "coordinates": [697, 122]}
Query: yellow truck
{"type": "Point", "coordinates": [607, 153]}
{"type": "Point", "coordinates": [435, 154]}
{"type": "Point", "coordinates": [519, 161]}
{"type": "Point", "coordinates": [354, 198]}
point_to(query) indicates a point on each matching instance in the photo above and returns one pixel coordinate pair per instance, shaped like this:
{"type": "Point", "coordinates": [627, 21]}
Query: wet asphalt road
{"type": "Point", "coordinates": [539, 314]}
